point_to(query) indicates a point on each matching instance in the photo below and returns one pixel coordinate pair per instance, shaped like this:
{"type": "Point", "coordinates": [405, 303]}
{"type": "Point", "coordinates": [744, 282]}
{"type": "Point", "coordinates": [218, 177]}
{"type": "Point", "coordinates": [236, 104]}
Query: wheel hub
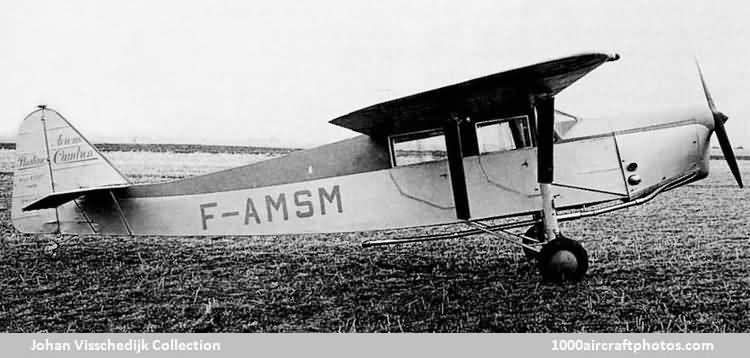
{"type": "Point", "coordinates": [563, 262]}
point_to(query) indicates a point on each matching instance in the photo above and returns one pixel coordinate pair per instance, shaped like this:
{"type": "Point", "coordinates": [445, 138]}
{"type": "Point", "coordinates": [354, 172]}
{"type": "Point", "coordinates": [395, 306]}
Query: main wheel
{"type": "Point", "coordinates": [563, 259]}
{"type": "Point", "coordinates": [532, 233]}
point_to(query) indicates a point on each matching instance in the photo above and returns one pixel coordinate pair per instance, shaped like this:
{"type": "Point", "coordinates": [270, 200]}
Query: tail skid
{"type": "Point", "coordinates": [53, 157]}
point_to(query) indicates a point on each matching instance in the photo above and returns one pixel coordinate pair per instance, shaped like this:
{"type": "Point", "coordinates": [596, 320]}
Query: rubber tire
{"type": "Point", "coordinates": [550, 273]}
{"type": "Point", "coordinates": [531, 232]}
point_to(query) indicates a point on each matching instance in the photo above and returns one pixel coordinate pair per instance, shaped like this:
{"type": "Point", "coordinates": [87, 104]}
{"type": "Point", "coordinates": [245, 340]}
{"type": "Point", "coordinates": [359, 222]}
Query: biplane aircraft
{"type": "Point", "coordinates": [496, 149]}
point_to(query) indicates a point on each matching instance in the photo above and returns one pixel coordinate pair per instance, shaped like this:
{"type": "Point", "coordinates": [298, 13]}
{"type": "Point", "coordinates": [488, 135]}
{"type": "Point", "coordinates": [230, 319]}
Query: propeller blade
{"type": "Point", "coordinates": [726, 149]}
{"type": "Point", "coordinates": [721, 131]}
{"type": "Point", "coordinates": [710, 100]}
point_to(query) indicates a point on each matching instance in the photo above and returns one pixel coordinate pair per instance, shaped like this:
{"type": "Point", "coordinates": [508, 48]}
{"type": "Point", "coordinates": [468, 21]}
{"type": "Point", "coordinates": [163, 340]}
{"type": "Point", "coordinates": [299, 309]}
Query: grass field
{"type": "Point", "coordinates": [680, 263]}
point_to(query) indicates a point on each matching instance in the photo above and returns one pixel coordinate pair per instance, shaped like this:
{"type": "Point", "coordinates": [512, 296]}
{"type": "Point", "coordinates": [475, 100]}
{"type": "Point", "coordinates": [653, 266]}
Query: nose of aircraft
{"type": "Point", "coordinates": [720, 130]}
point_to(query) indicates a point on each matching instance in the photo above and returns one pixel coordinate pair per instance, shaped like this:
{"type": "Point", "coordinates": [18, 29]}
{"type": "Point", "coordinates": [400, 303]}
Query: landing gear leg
{"type": "Point", "coordinates": [560, 258]}
{"type": "Point", "coordinates": [535, 235]}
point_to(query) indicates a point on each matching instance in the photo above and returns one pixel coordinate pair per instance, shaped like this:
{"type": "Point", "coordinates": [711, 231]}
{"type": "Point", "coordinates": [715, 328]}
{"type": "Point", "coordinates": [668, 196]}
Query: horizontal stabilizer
{"type": "Point", "coordinates": [53, 200]}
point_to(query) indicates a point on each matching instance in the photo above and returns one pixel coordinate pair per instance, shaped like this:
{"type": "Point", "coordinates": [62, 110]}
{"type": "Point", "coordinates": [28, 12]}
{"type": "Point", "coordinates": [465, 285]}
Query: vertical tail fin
{"type": "Point", "coordinates": [53, 156]}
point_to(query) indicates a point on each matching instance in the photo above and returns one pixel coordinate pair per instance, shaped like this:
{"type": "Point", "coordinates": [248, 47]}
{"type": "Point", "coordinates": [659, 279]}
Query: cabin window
{"type": "Point", "coordinates": [418, 147]}
{"type": "Point", "coordinates": [504, 134]}
{"type": "Point", "coordinates": [563, 123]}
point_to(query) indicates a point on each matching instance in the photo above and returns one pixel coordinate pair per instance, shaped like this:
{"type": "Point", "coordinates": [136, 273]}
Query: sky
{"type": "Point", "coordinates": [275, 72]}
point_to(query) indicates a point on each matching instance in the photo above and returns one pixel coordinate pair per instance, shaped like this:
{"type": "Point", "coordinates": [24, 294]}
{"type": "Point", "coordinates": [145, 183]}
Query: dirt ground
{"type": "Point", "coordinates": [680, 263]}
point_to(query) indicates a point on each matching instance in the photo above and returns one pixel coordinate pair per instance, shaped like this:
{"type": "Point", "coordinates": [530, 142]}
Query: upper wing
{"type": "Point", "coordinates": [493, 95]}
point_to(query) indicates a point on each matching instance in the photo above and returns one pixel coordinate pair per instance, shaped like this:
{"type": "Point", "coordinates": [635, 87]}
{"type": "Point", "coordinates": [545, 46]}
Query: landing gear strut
{"type": "Point", "coordinates": [560, 258]}
{"type": "Point", "coordinates": [534, 237]}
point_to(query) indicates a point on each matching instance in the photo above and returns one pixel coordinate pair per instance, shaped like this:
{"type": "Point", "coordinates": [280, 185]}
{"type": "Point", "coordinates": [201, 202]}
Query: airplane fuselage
{"type": "Point", "coordinates": [353, 185]}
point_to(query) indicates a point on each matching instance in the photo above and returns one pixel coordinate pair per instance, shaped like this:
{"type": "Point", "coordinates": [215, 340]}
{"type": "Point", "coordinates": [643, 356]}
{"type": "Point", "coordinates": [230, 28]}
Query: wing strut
{"type": "Point", "coordinates": [452, 130]}
{"type": "Point", "coordinates": [122, 213]}
{"type": "Point", "coordinates": [545, 123]}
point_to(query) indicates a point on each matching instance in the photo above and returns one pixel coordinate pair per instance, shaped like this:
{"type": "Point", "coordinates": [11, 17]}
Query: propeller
{"type": "Point", "coordinates": [721, 131]}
